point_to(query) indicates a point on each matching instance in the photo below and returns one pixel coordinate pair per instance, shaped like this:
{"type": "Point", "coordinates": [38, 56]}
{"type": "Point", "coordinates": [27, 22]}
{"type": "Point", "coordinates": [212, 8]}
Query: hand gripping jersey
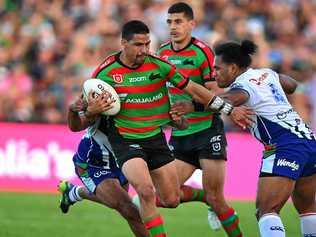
{"type": "Point", "coordinates": [143, 93]}
{"type": "Point", "coordinates": [196, 62]}
{"type": "Point", "coordinates": [276, 120]}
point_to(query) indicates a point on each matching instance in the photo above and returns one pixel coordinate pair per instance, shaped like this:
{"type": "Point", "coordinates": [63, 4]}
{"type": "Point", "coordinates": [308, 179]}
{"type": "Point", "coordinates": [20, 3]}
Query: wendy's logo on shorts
{"type": "Point", "coordinates": [118, 78]}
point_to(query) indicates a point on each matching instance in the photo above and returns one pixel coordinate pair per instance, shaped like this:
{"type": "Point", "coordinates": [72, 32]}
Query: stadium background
{"type": "Point", "coordinates": [47, 49]}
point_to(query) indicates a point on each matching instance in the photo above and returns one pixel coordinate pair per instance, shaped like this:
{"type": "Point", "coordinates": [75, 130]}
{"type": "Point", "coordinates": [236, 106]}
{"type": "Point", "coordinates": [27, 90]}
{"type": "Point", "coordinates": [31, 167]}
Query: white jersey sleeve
{"type": "Point", "coordinates": [274, 114]}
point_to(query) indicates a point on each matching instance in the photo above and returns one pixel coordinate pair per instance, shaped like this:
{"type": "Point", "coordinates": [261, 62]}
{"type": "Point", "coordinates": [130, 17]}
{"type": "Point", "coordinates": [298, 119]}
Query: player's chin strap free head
{"type": "Point", "coordinates": [218, 104]}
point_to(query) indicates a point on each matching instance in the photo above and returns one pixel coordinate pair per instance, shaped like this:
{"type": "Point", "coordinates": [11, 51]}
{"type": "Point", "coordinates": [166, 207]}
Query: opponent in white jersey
{"type": "Point", "coordinates": [289, 161]}
{"type": "Point", "coordinates": [96, 166]}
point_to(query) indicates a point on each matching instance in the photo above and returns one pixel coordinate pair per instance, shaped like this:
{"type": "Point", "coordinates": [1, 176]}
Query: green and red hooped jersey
{"type": "Point", "coordinates": [195, 61]}
{"type": "Point", "coordinates": [143, 93]}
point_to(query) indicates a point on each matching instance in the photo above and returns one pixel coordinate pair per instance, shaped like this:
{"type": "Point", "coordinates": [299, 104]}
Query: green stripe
{"type": "Point", "coordinates": [157, 230]}
{"type": "Point", "coordinates": [229, 220]}
{"type": "Point", "coordinates": [234, 232]}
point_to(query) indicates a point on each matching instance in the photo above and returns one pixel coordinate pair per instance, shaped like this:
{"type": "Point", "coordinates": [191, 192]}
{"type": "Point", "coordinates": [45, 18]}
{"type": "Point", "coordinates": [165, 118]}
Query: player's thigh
{"type": "Point", "coordinates": [304, 194]}
{"type": "Point", "coordinates": [137, 173]}
{"type": "Point", "coordinates": [272, 193]}
{"type": "Point", "coordinates": [213, 177]}
{"type": "Point", "coordinates": [184, 170]}
{"type": "Point", "coordinates": [111, 193]}
{"type": "Point", "coordinates": [166, 182]}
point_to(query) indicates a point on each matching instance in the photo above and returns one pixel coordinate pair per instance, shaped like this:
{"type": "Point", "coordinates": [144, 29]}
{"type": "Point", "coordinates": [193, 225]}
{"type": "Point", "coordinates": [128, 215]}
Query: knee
{"type": "Point", "coordinates": [171, 201]}
{"type": "Point", "coordinates": [146, 193]}
{"type": "Point", "coordinates": [267, 207]}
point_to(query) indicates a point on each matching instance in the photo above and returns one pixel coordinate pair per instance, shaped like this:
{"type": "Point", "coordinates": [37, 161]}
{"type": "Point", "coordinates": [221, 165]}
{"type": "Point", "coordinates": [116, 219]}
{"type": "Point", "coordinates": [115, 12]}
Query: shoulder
{"type": "Point", "coordinates": [158, 59]}
{"type": "Point", "coordinates": [164, 45]}
{"type": "Point", "coordinates": [203, 47]}
{"type": "Point", "coordinates": [106, 63]}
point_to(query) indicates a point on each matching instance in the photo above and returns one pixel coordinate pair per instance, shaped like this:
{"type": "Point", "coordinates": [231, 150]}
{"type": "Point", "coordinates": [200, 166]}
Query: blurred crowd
{"type": "Point", "coordinates": [48, 47]}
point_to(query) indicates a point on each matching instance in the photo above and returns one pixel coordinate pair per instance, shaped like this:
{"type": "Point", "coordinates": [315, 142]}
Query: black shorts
{"type": "Point", "coordinates": [154, 150]}
{"type": "Point", "coordinates": [207, 144]}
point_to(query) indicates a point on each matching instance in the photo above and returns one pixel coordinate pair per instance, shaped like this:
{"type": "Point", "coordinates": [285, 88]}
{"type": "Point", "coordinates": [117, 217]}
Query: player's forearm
{"type": "Point", "coordinates": [199, 93]}
{"type": "Point", "coordinates": [77, 122]}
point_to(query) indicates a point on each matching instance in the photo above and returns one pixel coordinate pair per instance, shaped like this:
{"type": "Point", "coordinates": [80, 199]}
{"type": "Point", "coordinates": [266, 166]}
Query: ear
{"type": "Point", "coordinates": [234, 68]}
{"type": "Point", "coordinates": [123, 43]}
{"type": "Point", "coordinates": [192, 23]}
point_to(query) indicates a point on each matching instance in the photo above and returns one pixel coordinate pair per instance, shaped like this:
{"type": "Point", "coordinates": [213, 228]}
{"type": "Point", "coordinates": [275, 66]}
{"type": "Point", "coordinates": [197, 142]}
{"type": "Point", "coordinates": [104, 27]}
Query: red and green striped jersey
{"type": "Point", "coordinates": [143, 93]}
{"type": "Point", "coordinates": [195, 61]}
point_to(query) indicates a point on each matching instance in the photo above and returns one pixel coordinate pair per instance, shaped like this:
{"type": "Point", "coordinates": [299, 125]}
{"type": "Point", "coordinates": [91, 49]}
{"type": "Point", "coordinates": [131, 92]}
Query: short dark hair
{"type": "Point", "coordinates": [134, 27]}
{"type": "Point", "coordinates": [182, 7]}
{"type": "Point", "coordinates": [239, 54]}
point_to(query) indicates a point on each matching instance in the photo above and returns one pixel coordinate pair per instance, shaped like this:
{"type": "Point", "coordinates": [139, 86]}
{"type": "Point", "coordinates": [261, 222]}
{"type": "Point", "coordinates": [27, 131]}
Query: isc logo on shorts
{"type": "Point", "coordinates": [217, 138]}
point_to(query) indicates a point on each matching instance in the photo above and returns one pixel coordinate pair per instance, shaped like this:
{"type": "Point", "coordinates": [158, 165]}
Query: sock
{"type": "Point", "coordinates": [308, 224]}
{"type": "Point", "coordinates": [270, 225]}
{"type": "Point", "coordinates": [155, 227]}
{"type": "Point", "coordinates": [230, 223]}
{"type": "Point", "coordinates": [74, 194]}
{"type": "Point", "coordinates": [190, 194]}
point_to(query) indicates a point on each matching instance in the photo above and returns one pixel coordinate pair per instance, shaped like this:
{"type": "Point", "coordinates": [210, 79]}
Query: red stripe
{"type": "Point", "coordinates": [109, 60]}
{"type": "Point", "coordinates": [182, 82]}
{"type": "Point", "coordinates": [136, 130]}
{"type": "Point", "coordinates": [145, 118]}
{"type": "Point", "coordinates": [204, 47]}
{"type": "Point", "coordinates": [308, 214]}
{"type": "Point", "coordinates": [227, 214]}
{"type": "Point", "coordinates": [199, 119]}
{"type": "Point", "coordinates": [175, 90]}
{"type": "Point", "coordinates": [232, 226]}
{"type": "Point", "coordinates": [161, 235]}
{"type": "Point", "coordinates": [163, 100]}
{"type": "Point", "coordinates": [156, 221]}
{"type": "Point", "coordinates": [171, 72]}
{"type": "Point", "coordinates": [188, 72]}
{"type": "Point", "coordinates": [204, 64]}
{"type": "Point", "coordinates": [140, 89]}
{"type": "Point", "coordinates": [185, 53]}
{"type": "Point", "coordinates": [143, 68]}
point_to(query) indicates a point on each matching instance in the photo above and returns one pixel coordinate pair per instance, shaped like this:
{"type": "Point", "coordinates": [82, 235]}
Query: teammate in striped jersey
{"type": "Point", "coordinates": [95, 165]}
{"type": "Point", "coordinates": [203, 144]}
{"type": "Point", "coordinates": [136, 135]}
{"type": "Point", "coordinates": [288, 166]}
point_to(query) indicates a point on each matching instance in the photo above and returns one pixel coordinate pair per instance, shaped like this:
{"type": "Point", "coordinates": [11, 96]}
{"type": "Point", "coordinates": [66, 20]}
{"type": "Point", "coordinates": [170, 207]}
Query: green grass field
{"type": "Point", "coordinates": [37, 215]}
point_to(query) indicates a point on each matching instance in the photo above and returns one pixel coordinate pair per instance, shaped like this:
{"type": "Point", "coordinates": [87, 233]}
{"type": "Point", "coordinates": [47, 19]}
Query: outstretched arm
{"type": "Point", "coordinates": [242, 116]}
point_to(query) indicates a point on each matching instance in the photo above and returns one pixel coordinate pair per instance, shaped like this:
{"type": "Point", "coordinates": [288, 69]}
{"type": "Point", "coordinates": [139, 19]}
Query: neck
{"type": "Point", "coordinates": [241, 71]}
{"type": "Point", "coordinates": [182, 44]}
{"type": "Point", "coordinates": [126, 61]}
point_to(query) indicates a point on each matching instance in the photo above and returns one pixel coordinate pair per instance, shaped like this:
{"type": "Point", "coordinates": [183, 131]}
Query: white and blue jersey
{"type": "Point", "coordinates": [290, 143]}
{"type": "Point", "coordinates": [94, 160]}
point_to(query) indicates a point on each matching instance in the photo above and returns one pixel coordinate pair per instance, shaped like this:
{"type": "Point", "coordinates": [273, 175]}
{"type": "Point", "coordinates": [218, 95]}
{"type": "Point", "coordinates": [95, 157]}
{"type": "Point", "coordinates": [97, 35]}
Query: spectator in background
{"type": "Point", "coordinates": [68, 34]}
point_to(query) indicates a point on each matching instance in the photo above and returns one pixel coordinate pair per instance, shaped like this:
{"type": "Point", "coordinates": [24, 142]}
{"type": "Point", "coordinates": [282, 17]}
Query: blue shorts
{"type": "Point", "coordinates": [293, 161]}
{"type": "Point", "coordinates": [95, 163]}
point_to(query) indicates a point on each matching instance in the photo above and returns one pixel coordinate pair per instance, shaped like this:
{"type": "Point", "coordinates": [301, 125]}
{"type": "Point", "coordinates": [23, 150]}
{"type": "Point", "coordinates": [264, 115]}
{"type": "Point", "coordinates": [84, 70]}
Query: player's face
{"type": "Point", "coordinates": [225, 73]}
{"type": "Point", "coordinates": [137, 48]}
{"type": "Point", "coordinates": [180, 27]}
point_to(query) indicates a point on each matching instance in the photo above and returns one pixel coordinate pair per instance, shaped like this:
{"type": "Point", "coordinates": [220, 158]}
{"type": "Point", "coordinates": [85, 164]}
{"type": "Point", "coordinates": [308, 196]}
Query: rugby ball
{"type": "Point", "coordinates": [98, 86]}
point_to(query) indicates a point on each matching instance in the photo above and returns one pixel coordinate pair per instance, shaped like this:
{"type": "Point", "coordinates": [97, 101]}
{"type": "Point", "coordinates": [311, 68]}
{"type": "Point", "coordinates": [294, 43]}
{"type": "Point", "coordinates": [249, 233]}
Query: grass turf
{"type": "Point", "coordinates": [37, 215]}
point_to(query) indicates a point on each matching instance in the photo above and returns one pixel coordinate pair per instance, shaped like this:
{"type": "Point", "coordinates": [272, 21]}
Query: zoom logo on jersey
{"type": "Point", "coordinates": [100, 173]}
{"type": "Point", "coordinates": [278, 228]}
{"type": "Point", "coordinates": [154, 76]}
{"type": "Point", "coordinates": [293, 165]}
{"type": "Point", "coordinates": [310, 235]}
